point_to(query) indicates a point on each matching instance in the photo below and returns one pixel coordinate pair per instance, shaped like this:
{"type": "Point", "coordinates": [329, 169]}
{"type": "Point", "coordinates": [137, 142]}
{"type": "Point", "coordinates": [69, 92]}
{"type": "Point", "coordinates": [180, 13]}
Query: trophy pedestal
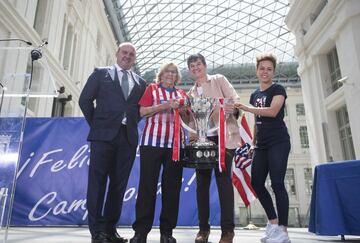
{"type": "Point", "coordinates": [200, 157]}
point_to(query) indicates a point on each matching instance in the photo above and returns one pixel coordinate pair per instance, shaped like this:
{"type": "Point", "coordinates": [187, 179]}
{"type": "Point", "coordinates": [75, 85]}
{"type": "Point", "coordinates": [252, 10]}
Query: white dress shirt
{"type": "Point", "coordinates": [130, 78]}
{"type": "Point", "coordinates": [131, 83]}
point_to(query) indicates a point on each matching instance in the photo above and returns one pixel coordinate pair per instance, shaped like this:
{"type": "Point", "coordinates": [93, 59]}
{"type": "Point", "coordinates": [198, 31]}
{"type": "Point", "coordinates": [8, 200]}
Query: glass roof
{"type": "Point", "coordinates": [227, 32]}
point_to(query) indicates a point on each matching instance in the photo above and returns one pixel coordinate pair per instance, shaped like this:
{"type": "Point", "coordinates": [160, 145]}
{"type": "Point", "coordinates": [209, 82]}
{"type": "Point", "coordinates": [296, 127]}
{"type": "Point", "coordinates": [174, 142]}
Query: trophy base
{"type": "Point", "coordinates": [200, 157]}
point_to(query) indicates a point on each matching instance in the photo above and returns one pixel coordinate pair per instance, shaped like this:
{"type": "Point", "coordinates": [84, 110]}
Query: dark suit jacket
{"type": "Point", "coordinates": [103, 105]}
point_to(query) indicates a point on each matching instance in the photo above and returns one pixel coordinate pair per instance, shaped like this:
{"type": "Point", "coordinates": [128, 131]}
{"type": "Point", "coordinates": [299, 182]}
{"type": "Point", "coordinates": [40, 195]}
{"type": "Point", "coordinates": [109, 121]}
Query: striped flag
{"type": "Point", "coordinates": [242, 165]}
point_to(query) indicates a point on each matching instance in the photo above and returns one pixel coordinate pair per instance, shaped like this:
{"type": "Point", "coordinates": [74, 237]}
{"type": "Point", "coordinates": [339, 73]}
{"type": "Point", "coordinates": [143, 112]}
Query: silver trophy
{"type": "Point", "coordinates": [202, 153]}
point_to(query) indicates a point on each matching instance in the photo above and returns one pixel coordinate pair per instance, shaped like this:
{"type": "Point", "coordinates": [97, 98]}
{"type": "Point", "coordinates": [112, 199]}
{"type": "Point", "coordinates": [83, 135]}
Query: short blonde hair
{"type": "Point", "coordinates": [165, 66]}
{"type": "Point", "coordinates": [265, 57]}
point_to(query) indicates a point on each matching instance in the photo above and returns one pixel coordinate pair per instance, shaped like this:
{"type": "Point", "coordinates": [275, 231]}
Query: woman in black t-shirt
{"type": "Point", "coordinates": [272, 147]}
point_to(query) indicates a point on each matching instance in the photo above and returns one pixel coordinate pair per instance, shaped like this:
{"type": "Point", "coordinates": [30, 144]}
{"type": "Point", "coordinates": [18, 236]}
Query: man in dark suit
{"type": "Point", "coordinates": [109, 102]}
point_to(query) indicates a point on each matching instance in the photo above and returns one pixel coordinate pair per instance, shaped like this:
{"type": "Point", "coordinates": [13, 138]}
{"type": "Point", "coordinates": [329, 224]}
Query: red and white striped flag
{"type": "Point", "coordinates": [242, 165]}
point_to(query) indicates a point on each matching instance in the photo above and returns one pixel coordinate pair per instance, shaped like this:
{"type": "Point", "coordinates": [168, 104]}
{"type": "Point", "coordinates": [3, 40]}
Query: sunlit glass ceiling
{"type": "Point", "coordinates": [226, 32]}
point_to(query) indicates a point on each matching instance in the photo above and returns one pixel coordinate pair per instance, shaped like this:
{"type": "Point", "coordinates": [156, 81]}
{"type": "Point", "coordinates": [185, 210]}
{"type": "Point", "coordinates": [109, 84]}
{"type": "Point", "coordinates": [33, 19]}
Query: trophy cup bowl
{"type": "Point", "coordinates": [202, 153]}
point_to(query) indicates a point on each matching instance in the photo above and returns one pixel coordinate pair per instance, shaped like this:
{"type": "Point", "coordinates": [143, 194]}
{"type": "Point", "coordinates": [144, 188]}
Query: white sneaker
{"type": "Point", "coordinates": [268, 230]}
{"type": "Point", "coordinates": [278, 235]}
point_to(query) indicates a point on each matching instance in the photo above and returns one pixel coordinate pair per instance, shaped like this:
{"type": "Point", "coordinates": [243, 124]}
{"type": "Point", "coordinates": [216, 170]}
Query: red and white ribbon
{"type": "Point", "coordinates": [221, 143]}
{"type": "Point", "coordinates": [177, 129]}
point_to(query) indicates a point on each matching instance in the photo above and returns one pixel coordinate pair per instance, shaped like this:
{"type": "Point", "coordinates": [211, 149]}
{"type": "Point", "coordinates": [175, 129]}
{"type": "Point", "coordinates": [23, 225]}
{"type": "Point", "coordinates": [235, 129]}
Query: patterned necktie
{"type": "Point", "coordinates": [125, 84]}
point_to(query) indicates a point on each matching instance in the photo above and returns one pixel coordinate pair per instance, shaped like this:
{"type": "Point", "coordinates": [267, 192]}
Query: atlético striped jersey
{"type": "Point", "coordinates": [159, 128]}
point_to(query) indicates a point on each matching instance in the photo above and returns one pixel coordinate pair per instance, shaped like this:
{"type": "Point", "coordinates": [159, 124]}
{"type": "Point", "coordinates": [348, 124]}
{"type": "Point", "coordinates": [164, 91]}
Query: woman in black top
{"type": "Point", "coordinates": [272, 147]}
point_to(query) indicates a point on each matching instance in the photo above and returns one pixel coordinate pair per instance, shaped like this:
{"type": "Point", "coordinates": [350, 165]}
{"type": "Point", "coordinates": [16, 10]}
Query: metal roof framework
{"type": "Point", "coordinates": [227, 32]}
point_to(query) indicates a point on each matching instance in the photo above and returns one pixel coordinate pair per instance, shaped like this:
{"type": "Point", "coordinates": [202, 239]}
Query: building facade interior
{"type": "Point", "coordinates": [317, 44]}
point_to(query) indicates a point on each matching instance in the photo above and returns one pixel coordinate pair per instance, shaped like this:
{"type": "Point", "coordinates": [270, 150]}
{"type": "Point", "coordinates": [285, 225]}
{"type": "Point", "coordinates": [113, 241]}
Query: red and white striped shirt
{"type": "Point", "coordinates": [159, 128]}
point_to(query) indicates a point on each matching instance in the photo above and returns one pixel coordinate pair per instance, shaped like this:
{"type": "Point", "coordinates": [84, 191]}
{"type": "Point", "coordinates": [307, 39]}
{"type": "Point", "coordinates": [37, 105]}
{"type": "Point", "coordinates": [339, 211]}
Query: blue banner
{"type": "Point", "coordinates": [52, 179]}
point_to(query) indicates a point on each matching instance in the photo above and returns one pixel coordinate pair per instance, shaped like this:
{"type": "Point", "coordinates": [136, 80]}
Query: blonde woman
{"type": "Point", "coordinates": [155, 151]}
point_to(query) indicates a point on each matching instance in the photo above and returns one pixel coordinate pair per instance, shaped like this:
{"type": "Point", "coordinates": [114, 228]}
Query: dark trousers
{"type": "Point", "coordinates": [151, 160]}
{"type": "Point", "coordinates": [225, 191]}
{"type": "Point", "coordinates": [273, 161]}
{"type": "Point", "coordinates": [109, 170]}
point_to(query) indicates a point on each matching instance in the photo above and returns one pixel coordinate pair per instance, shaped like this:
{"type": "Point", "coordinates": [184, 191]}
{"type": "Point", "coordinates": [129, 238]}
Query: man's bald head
{"type": "Point", "coordinates": [126, 55]}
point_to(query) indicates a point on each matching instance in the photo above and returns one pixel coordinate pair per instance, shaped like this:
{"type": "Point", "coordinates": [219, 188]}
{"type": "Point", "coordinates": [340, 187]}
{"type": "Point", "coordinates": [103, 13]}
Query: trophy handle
{"type": "Point", "coordinates": [212, 129]}
{"type": "Point", "coordinates": [186, 126]}
{"type": "Point", "coordinates": [226, 100]}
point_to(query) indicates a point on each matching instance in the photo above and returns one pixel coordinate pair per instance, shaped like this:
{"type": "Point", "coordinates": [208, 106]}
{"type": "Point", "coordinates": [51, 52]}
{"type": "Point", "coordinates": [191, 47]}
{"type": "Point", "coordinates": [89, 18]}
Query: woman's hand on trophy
{"type": "Point", "coordinates": [229, 107]}
{"type": "Point", "coordinates": [241, 106]}
{"type": "Point", "coordinates": [173, 104]}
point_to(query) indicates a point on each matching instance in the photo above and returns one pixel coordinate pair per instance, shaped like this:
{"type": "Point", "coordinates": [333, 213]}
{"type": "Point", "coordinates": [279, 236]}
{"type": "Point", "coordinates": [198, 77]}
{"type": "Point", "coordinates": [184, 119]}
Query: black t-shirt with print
{"type": "Point", "coordinates": [269, 130]}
